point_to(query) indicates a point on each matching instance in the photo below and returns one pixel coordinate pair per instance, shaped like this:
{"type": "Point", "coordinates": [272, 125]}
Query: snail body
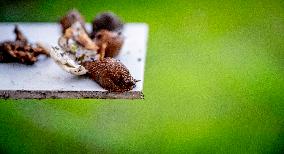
{"type": "Point", "coordinates": [111, 74]}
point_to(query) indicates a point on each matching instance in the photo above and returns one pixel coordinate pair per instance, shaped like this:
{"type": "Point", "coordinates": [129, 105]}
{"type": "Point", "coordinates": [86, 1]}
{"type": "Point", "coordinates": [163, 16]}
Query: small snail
{"type": "Point", "coordinates": [108, 21]}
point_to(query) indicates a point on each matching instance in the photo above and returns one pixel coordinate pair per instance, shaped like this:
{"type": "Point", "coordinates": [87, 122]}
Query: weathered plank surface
{"type": "Point", "coordinates": [45, 79]}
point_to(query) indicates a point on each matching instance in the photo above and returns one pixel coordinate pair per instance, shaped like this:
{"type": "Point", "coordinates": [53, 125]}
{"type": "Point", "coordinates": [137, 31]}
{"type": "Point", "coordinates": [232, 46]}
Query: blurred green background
{"type": "Point", "coordinates": [214, 83]}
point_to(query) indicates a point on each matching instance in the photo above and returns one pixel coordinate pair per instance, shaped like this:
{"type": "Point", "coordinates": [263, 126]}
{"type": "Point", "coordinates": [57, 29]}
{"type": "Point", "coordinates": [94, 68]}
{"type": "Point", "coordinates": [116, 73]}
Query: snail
{"type": "Point", "coordinates": [107, 21]}
{"type": "Point", "coordinates": [111, 74]}
{"type": "Point", "coordinates": [109, 43]}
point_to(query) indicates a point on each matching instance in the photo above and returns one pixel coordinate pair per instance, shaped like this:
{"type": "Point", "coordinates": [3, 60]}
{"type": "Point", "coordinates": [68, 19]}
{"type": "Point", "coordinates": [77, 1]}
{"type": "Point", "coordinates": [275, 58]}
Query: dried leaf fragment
{"type": "Point", "coordinates": [20, 50]}
{"type": "Point", "coordinates": [70, 18]}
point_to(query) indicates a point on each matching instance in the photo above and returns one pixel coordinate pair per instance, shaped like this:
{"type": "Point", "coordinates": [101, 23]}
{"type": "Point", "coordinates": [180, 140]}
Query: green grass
{"type": "Point", "coordinates": [214, 83]}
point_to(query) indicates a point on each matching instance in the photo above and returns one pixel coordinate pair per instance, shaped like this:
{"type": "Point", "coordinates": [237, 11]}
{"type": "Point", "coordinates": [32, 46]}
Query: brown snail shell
{"type": "Point", "coordinates": [113, 42]}
{"type": "Point", "coordinates": [108, 21]}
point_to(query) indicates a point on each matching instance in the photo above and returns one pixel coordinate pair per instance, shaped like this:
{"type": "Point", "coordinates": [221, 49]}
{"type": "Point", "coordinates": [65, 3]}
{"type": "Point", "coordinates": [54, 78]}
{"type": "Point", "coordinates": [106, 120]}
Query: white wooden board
{"type": "Point", "coordinates": [45, 79]}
